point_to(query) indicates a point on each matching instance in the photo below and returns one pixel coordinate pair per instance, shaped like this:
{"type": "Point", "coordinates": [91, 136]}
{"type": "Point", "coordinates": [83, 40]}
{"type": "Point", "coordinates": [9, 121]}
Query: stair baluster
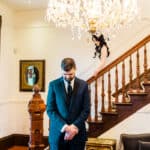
{"type": "Point", "coordinates": [116, 85]}
{"type": "Point", "coordinates": [89, 89]}
{"type": "Point", "coordinates": [123, 82]}
{"type": "Point", "coordinates": [138, 72]}
{"type": "Point", "coordinates": [103, 96]}
{"type": "Point", "coordinates": [130, 74]}
{"type": "Point", "coordinates": [109, 92]}
{"type": "Point", "coordinates": [145, 65]}
{"type": "Point", "coordinates": [96, 101]}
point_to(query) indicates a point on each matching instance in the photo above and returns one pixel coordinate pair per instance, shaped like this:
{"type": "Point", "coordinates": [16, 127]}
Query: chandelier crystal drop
{"type": "Point", "coordinates": [94, 16]}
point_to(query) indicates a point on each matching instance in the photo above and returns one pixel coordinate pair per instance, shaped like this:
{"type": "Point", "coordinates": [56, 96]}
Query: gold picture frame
{"type": "Point", "coordinates": [32, 72]}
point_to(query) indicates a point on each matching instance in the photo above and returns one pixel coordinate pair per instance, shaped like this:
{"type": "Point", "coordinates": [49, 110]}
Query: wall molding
{"type": "Point", "coordinates": [12, 101]}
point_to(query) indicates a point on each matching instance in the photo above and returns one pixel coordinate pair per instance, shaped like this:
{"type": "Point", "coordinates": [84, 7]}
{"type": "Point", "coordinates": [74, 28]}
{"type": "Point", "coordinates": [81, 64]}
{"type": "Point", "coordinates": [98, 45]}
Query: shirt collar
{"type": "Point", "coordinates": [66, 83]}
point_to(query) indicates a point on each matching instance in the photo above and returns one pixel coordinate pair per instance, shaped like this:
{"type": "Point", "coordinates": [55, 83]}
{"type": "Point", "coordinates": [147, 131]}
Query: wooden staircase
{"type": "Point", "coordinates": [119, 91]}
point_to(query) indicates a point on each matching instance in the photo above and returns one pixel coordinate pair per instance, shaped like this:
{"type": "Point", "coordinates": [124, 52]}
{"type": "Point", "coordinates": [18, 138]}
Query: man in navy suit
{"type": "Point", "coordinates": [68, 107]}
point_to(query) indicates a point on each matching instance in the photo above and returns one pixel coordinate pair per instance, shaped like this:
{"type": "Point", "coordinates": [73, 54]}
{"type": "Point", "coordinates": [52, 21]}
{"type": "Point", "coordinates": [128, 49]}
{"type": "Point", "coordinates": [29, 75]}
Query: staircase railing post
{"type": "Point", "coordinates": [36, 108]}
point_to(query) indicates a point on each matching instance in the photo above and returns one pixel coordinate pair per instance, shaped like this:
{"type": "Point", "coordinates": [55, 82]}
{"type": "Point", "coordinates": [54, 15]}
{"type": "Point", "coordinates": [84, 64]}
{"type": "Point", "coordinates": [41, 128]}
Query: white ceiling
{"type": "Point", "coordinates": [26, 4]}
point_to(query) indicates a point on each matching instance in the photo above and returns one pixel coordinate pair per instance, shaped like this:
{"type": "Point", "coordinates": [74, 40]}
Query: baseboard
{"type": "Point", "coordinates": [17, 139]}
{"type": "Point", "coordinates": [6, 142]}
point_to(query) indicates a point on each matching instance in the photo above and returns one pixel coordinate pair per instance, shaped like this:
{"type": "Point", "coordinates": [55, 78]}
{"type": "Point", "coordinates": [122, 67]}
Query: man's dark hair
{"type": "Point", "coordinates": [67, 64]}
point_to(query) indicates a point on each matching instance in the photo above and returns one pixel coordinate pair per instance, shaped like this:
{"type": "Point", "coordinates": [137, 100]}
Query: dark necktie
{"type": "Point", "coordinates": [69, 90]}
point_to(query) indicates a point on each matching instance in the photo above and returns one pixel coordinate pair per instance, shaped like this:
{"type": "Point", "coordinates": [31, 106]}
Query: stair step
{"type": "Point", "coordinates": [121, 103]}
{"type": "Point", "coordinates": [109, 113]}
{"type": "Point", "coordinates": [95, 121]}
{"type": "Point", "coordinates": [147, 83]}
{"type": "Point", "coordinates": [146, 86]}
{"type": "Point", "coordinates": [18, 148]}
{"type": "Point", "coordinates": [137, 92]}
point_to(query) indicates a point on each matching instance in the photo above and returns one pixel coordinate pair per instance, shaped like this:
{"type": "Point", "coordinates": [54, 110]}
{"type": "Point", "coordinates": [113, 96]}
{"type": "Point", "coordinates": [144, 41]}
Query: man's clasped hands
{"type": "Point", "coordinates": [70, 132]}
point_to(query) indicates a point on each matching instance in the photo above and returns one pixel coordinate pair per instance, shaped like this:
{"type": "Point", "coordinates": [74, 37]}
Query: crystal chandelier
{"type": "Point", "coordinates": [94, 16]}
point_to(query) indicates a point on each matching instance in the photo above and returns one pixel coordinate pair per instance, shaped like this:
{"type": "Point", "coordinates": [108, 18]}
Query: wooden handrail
{"type": "Point", "coordinates": [120, 59]}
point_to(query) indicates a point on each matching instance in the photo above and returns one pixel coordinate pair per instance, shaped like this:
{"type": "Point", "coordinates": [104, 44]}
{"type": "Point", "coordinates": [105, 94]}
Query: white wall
{"type": "Point", "coordinates": [7, 63]}
{"type": "Point", "coordinates": [25, 35]}
{"type": "Point", "coordinates": [6, 53]}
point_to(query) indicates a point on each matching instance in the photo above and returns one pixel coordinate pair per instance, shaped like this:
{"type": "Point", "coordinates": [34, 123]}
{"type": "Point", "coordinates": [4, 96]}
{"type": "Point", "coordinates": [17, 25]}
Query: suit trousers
{"type": "Point", "coordinates": [67, 145]}
{"type": "Point", "coordinates": [70, 145]}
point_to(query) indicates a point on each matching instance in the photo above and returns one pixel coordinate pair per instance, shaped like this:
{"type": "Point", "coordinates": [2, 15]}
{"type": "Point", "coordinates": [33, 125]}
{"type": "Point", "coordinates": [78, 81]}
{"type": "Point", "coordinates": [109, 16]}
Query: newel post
{"type": "Point", "coordinates": [36, 108]}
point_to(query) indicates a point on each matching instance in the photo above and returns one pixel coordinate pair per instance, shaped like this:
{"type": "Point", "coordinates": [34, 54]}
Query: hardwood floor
{"type": "Point", "coordinates": [18, 148]}
{"type": "Point", "coordinates": [22, 148]}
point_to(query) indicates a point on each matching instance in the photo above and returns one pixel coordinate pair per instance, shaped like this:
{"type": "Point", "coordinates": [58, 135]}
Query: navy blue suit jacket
{"type": "Point", "coordinates": [60, 113]}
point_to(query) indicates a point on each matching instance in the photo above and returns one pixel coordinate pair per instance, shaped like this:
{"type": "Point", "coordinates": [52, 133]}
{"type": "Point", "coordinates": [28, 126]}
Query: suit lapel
{"type": "Point", "coordinates": [63, 90]}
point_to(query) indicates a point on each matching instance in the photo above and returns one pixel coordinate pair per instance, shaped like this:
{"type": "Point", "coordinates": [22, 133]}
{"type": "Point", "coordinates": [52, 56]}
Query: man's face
{"type": "Point", "coordinates": [69, 75]}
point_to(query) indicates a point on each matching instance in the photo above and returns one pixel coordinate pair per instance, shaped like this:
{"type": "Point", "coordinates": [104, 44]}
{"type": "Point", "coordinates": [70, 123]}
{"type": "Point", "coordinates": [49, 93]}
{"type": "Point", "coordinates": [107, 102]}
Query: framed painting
{"type": "Point", "coordinates": [32, 72]}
